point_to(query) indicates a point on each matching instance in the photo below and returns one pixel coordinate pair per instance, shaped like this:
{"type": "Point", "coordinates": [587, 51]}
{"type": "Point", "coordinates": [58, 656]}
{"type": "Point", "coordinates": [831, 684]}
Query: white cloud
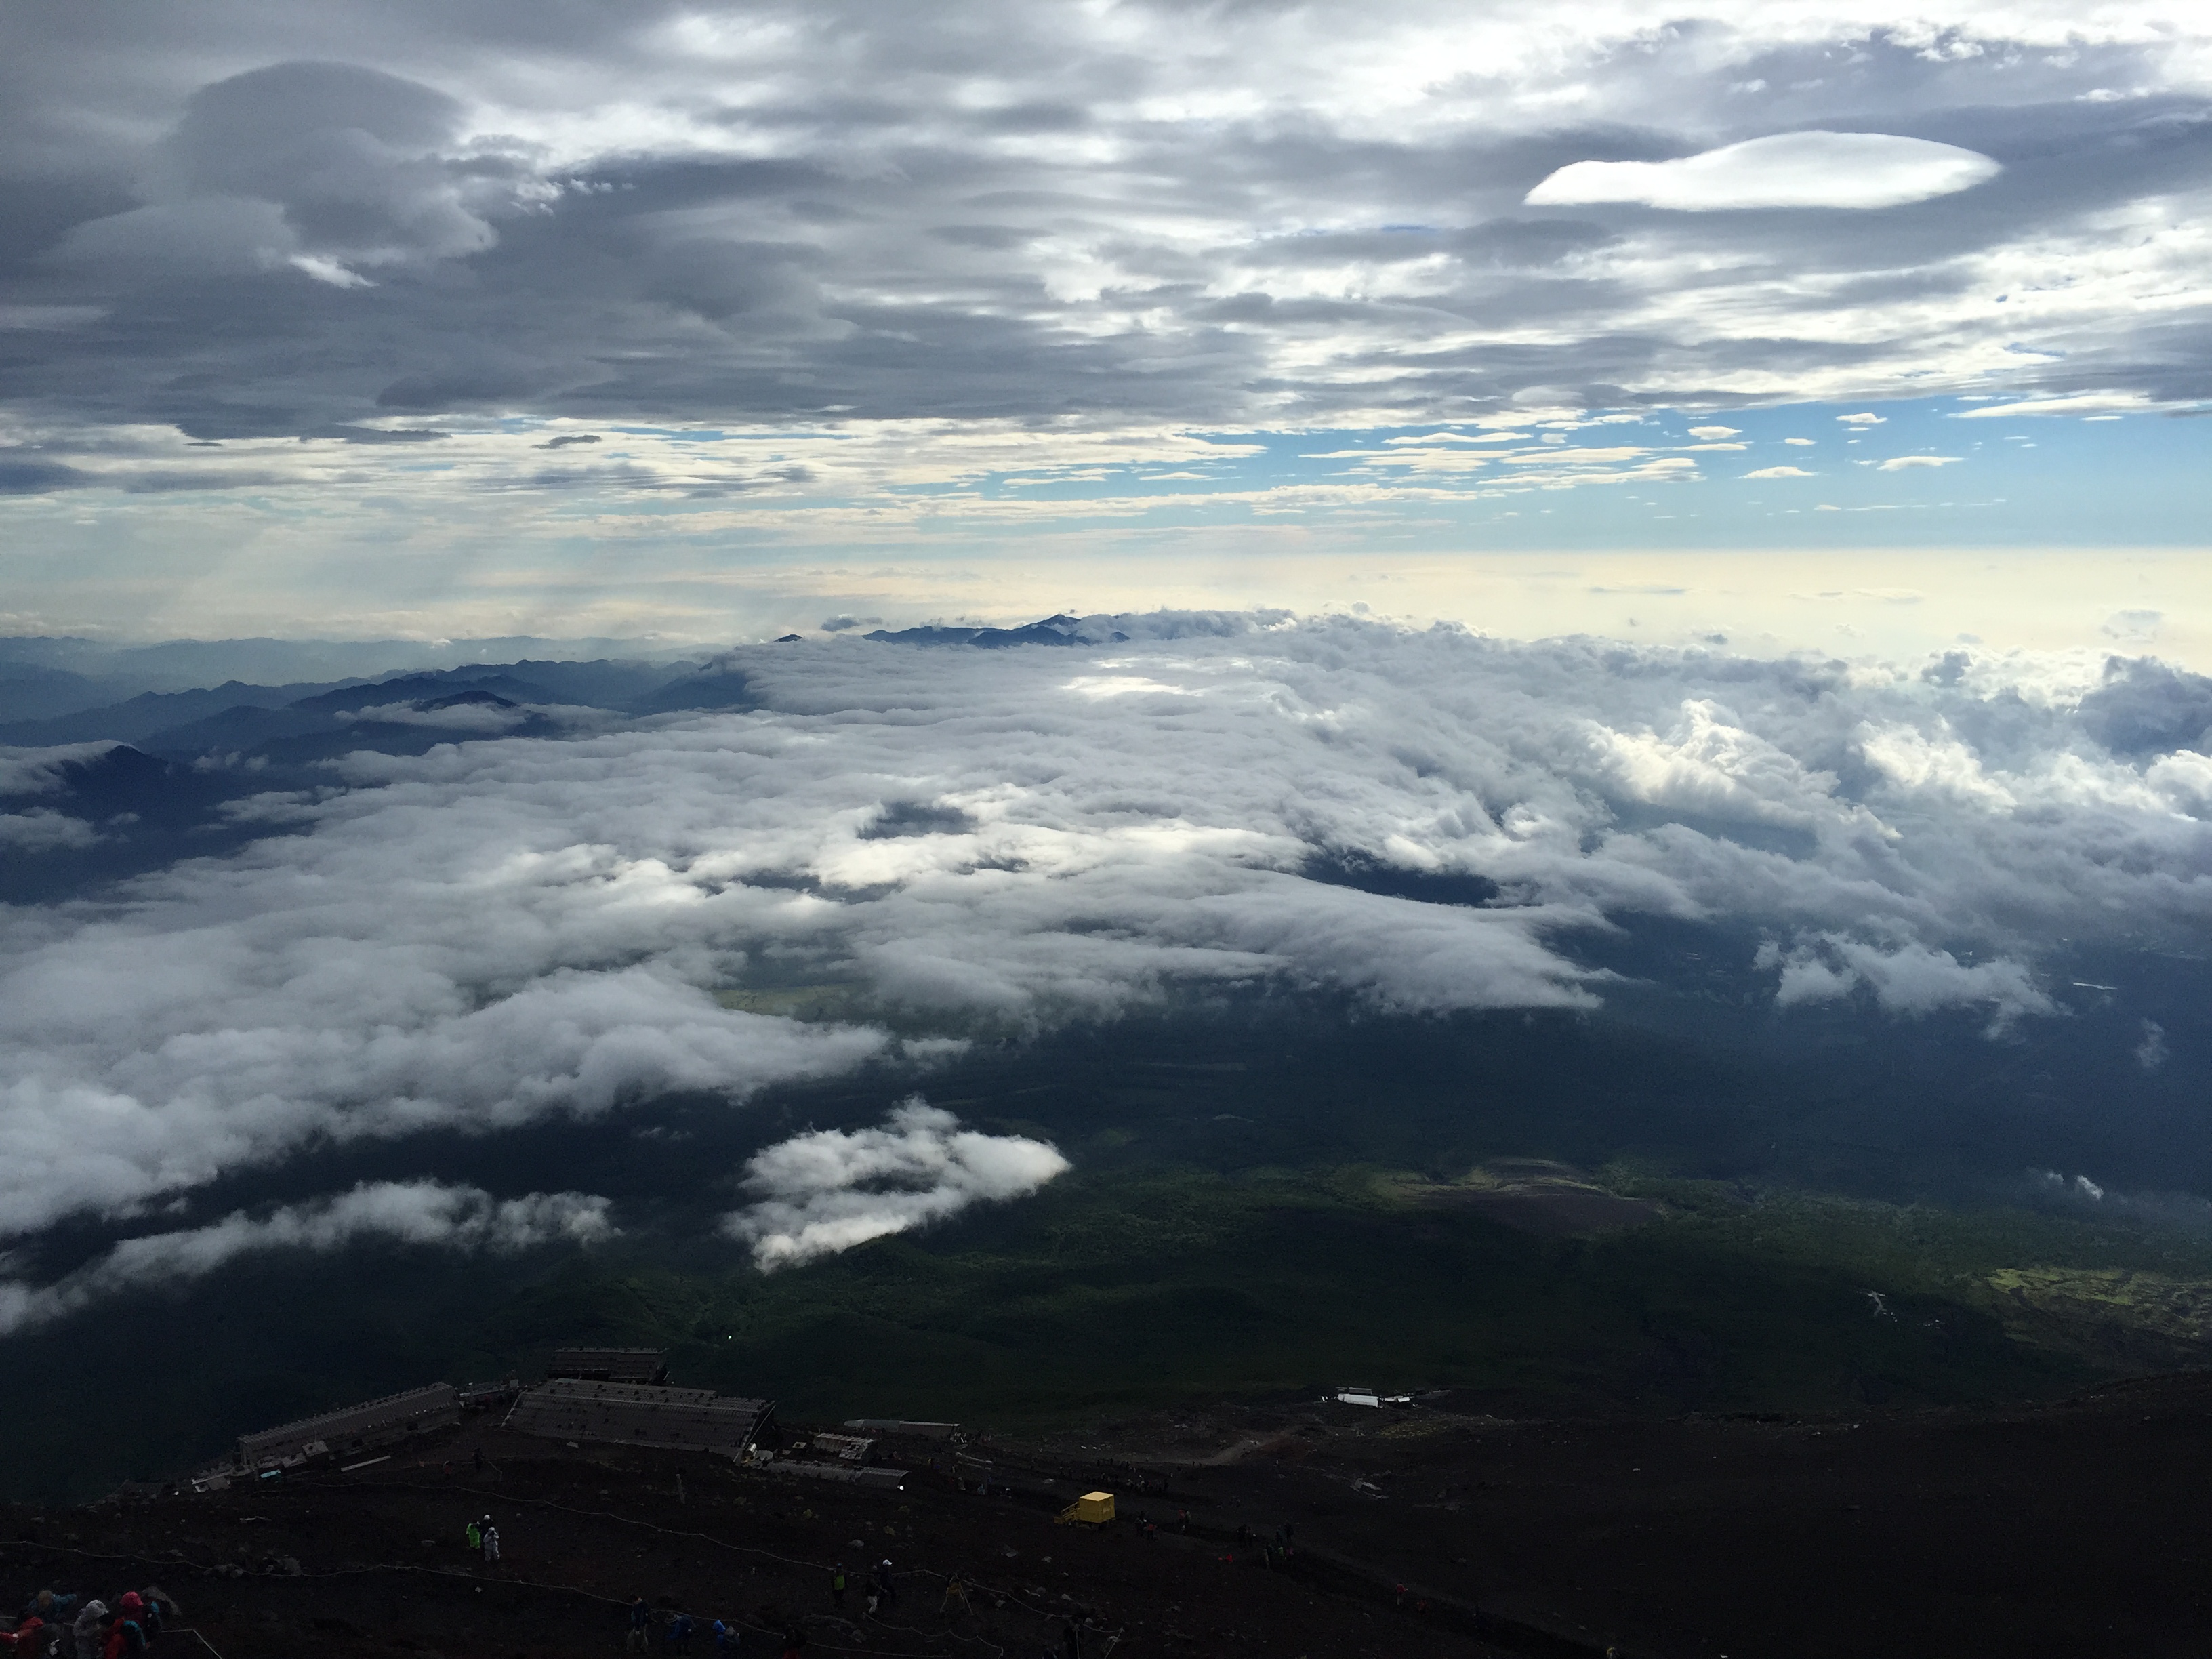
{"type": "Point", "coordinates": [41, 771]}
{"type": "Point", "coordinates": [1863, 418]}
{"type": "Point", "coordinates": [1781, 472]}
{"type": "Point", "coordinates": [2137, 626]}
{"type": "Point", "coordinates": [2087, 402]}
{"type": "Point", "coordinates": [425, 1212]}
{"type": "Point", "coordinates": [1714, 434]}
{"type": "Point", "coordinates": [818, 1194]}
{"type": "Point", "coordinates": [42, 831]}
{"type": "Point", "coordinates": [1802, 443]}
{"type": "Point", "coordinates": [2185, 780]}
{"type": "Point", "coordinates": [1910, 979]}
{"type": "Point", "coordinates": [1903, 462]}
{"type": "Point", "coordinates": [2152, 1054]}
{"type": "Point", "coordinates": [1786, 170]}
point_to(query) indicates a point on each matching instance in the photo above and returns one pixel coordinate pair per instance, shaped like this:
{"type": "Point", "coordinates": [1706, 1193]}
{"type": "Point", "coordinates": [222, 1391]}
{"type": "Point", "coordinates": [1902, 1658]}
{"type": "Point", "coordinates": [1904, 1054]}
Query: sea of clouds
{"type": "Point", "coordinates": [993, 842]}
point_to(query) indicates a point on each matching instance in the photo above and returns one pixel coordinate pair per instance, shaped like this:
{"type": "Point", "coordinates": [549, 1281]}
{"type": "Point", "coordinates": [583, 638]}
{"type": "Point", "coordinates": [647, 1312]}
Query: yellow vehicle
{"type": "Point", "coordinates": [1093, 1509]}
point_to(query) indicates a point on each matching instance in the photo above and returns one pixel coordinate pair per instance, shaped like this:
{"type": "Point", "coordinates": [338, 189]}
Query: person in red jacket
{"type": "Point", "coordinates": [29, 1637]}
{"type": "Point", "coordinates": [126, 1636]}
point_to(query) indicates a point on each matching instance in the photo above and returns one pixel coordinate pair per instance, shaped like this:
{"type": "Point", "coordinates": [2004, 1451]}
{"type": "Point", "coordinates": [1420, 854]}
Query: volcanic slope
{"type": "Point", "coordinates": [2069, 1528]}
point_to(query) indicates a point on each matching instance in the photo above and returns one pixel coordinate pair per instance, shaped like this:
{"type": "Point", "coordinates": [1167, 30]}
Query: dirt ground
{"type": "Point", "coordinates": [2080, 1529]}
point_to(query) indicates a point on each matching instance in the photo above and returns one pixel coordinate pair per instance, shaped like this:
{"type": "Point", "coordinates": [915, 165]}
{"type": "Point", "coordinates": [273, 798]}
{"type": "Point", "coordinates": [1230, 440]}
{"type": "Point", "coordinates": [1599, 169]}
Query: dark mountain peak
{"type": "Point", "coordinates": [121, 767]}
{"type": "Point", "coordinates": [475, 697]}
{"type": "Point", "coordinates": [1053, 631]}
{"type": "Point", "coordinates": [409, 688]}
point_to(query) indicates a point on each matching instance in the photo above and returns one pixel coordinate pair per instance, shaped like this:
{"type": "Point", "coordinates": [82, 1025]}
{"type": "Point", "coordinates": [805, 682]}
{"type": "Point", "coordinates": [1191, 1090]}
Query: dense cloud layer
{"type": "Point", "coordinates": [251, 219]}
{"type": "Point", "coordinates": [816, 1195]}
{"type": "Point", "coordinates": [989, 842]}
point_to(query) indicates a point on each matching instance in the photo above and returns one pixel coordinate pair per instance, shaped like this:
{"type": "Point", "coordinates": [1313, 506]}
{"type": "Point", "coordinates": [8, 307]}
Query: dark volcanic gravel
{"type": "Point", "coordinates": [2071, 1529]}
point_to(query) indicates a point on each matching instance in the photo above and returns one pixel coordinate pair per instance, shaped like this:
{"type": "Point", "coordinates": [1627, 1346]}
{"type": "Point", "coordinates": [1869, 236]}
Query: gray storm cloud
{"type": "Point", "coordinates": [817, 1194]}
{"type": "Point", "coordinates": [425, 1212]}
{"type": "Point", "coordinates": [990, 842]}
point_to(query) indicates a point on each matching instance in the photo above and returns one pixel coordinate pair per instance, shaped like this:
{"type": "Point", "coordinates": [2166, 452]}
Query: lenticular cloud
{"type": "Point", "coordinates": [1848, 170]}
{"type": "Point", "coordinates": [822, 1193]}
{"type": "Point", "coordinates": [987, 843]}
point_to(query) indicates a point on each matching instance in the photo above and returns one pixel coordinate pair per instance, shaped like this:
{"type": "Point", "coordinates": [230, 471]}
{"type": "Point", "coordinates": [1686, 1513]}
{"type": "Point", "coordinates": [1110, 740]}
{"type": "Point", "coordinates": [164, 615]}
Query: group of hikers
{"type": "Point", "coordinates": [880, 1588]}
{"type": "Point", "coordinates": [678, 1629]}
{"type": "Point", "coordinates": [681, 1627]}
{"type": "Point", "coordinates": [53, 1627]}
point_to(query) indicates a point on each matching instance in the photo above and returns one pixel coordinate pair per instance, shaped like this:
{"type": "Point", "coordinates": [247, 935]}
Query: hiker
{"type": "Point", "coordinates": [875, 1596]}
{"type": "Point", "coordinates": [725, 1638]}
{"type": "Point", "coordinates": [490, 1542]}
{"type": "Point", "coordinates": [126, 1636]}
{"type": "Point", "coordinates": [89, 1629]}
{"type": "Point", "coordinates": [479, 1460]}
{"type": "Point", "coordinates": [1070, 1639]}
{"type": "Point", "coordinates": [29, 1637]}
{"type": "Point", "coordinates": [473, 1534]}
{"type": "Point", "coordinates": [145, 1619]}
{"type": "Point", "coordinates": [955, 1590]}
{"type": "Point", "coordinates": [793, 1639]}
{"type": "Point", "coordinates": [679, 1634]}
{"type": "Point", "coordinates": [885, 1586]}
{"type": "Point", "coordinates": [640, 1622]}
{"type": "Point", "coordinates": [49, 1609]}
{"type": "Point", "coordinates": [161, 1609]}
{"type": "Point", "coordinates": [837, 1585]}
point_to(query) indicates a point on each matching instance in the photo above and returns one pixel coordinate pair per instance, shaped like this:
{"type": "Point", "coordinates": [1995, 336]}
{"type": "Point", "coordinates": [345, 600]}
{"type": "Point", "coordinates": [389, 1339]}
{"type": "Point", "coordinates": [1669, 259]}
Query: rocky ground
{"type": "Point", "coordinates": [2075, 1528]}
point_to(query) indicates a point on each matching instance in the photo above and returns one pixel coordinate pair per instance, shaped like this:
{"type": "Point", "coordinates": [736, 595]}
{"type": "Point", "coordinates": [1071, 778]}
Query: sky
{"type": "Point", "coordinates": [1842, 328]}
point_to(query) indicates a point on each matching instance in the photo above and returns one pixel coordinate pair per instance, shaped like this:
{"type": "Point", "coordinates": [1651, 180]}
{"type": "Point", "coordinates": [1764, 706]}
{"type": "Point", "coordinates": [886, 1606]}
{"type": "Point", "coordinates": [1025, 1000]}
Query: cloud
{"type": "Point", "coordinates": [419, 1212]}
{"type": "Point", "coordinates": [45, 771]}
{"type": "Point", "coordinates": [982, 843]}
{"type": "Point", "coordinates": [1911, 979]}
{"type": "Point", "coordinates": [43, 831]}
{"type": "Point", "coordinates": [316, 166]}
{"type": "Point", "coordinates": [1781, 472]}
{"type": "Point", "coordinates": [1156, 219]}
{"type": "Point", "coordinates": [1864, 418]}
{"type": "Point", "coordinates": [2135, 626]}
{"type": "Point", "coordinates": [1903, 462]}
{"type": "Point", "coordinates": [819, 1193]}
{"type": "Point", "coordinates": [1714, 434]}
{"type": "Point", "coordinates": [2087, 403]}
{"type": "Point", "coordinates": [2152, 1054]}
{"type": "Point", "coordinates": [1815, 169]}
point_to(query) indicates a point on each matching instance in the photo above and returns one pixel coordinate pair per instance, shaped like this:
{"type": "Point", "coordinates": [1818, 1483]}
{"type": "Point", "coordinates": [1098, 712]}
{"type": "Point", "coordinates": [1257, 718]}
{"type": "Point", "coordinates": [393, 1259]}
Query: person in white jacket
{"type": "Point", "coordinates": [90, 1630]}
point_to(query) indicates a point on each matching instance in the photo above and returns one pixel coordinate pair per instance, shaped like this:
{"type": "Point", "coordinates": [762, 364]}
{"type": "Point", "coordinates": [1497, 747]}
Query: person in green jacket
{"type": "Point", "coordinates": [474, 1535]}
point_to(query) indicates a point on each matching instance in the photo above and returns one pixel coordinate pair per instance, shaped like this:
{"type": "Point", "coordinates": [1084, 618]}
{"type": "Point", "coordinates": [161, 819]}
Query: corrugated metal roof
{"type": "Point", "coordinates": [637, 1414]}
